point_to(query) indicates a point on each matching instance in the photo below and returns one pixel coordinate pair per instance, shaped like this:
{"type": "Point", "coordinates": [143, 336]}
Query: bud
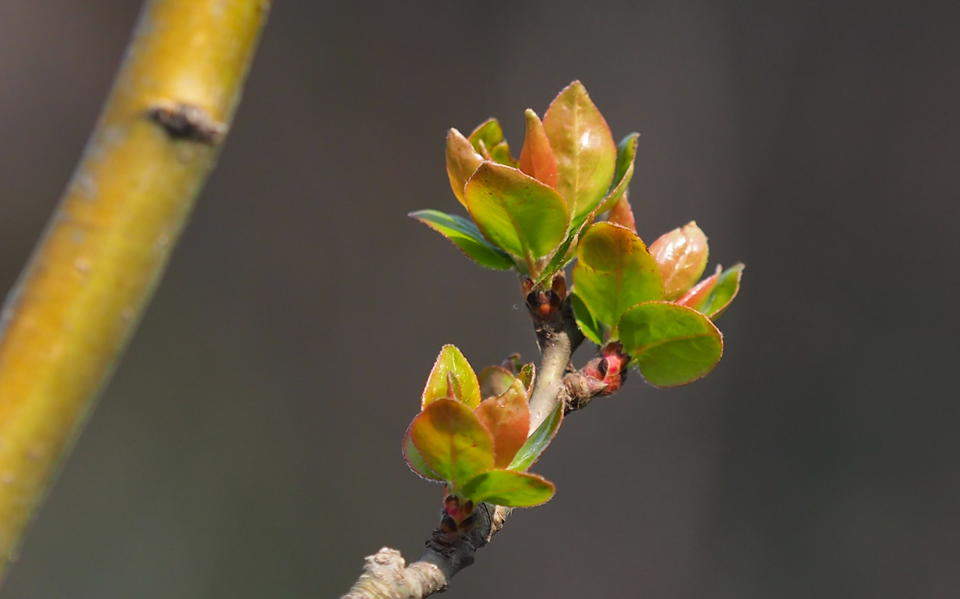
{"type": "Point", "coordinates": [608, 371]}
{"type": "Point", "coordinates": [681, 255]}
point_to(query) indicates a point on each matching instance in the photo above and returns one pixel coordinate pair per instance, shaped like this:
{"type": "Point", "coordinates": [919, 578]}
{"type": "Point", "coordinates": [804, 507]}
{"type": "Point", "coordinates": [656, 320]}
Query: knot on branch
{"type": "Point", "coordinates": [187, 122]}
{"type": "Point", "coordinates": [386, 576]}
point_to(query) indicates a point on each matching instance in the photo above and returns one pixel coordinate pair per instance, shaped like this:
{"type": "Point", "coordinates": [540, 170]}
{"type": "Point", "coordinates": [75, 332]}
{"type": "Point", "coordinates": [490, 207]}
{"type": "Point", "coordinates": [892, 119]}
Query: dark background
{"type": "Point", "coordinates": [248, 446]}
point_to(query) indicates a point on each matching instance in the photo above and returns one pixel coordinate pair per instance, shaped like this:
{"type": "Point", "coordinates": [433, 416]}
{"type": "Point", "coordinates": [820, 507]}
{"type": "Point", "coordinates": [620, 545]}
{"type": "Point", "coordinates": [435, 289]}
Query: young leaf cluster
{"type": "Point", "coordinates": [527, 213]}
{"type": "Point", "coordinates": [472, 434]}
{"type": "Point", "coordinates": [563, 199]}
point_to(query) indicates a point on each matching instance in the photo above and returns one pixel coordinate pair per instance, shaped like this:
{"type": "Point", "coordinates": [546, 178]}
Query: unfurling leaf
{"type": "Point", "coordinates": [584, 148]}
{"type": "Point", "coordinates": [537, 443]}
{"type": "Point", "coordinates": [714, 294]}
{"type": "Point", "coordinates": [451, 375]}
{"type": "Point", "coordinates": [588, 325]}
{"type": "Point", "coordinates": [462, 162]}
{"type": "Point", "coordinates": [536, 156]}
{"type": "Point", "coordinates": [681, 256]}
{"type": "Point", "coordinates": [452, 442]}
{"type": "Point", "coordinates": [415, 461]}
{"type": "Point", "coordinates": [465, 235]}
{"type": "Point", "coordinates": [517, 213]}
{"type": "Point", "coordinates": [509, 488]}
{"type": "Point", "coordinates": [500, 153]}
{"type": "Point", "coordinates": [670, 344]}
{"type": "Point", "coordinates": [622, 214]}
{"type": "Point", "coordinates": [486, 136]}
{"type": "Point", "coordinates": [494, 380]}
{"type": "Point", "coordinates": [626, 153]}
{"type": "Point", "coordinates": [507, 417]}
{"type": "Point", "coordinates": [527, 376]}
{"type": "Point", "coordinates": [613, 272]}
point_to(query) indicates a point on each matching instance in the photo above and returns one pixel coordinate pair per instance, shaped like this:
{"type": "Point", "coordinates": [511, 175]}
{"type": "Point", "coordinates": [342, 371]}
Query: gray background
{"type": "Point", "coordinates": [248, 445]}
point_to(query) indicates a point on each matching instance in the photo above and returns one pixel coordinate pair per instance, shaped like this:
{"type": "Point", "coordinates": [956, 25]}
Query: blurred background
{"type": "Point", "coordinates": [248, 446]}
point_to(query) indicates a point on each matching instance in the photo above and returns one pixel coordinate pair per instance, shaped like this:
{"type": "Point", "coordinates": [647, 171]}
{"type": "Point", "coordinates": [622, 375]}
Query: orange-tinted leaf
{"type": "Point", "coordinates": [452, 441]}
{"type": "Point", "coordinates": [452, 376]}
{"type": "Point", "coordinates": [681, 256]}
{"type": "Point", "coordinates": [507, 417]}
{"type": "Point", "coordinates": [622, 214]}
{"type": "Point", "coordinates": [462, 162]}
{"type": "Point", "coordinates": [583, 146]}
{"type": "Point", "coordinates": [536, 156]}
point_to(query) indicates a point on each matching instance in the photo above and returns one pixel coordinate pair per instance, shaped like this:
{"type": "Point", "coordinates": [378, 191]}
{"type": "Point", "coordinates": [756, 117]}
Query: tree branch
{"type": "Point", "coordinates": [81, 295]}
{"type": "Point", "coordinates": [385, 575]}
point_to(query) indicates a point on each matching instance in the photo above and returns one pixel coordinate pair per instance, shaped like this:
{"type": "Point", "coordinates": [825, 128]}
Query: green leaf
{"type": "Point", "coordinates": [501, 153]}
{"type": "Point", "coordinates": [462, 162]}
{"type": "Point", "coordinates": [565, 252]}
{"type": "Point", "coordinates": [415, 461]}
{"type": "Point", "coordinates": [537, 442]}
{"type": "Point", "coordinates": [507, 417]}
{"type": "Point", "coordinates": [584, 148]}
{"type": "Point", "coordinates": [670, 344]}
{"type": "Point", "coordinates": [714, 294]}
{"type": "Point", "coordinates": [527, 376]}
{"type": "Point", "coordinates": [451, 369]}
{"type": "Point", "coordinates": [486, 136]}
{"type": "Point", "coordinates": [509, 488]}
{"type": "Point", "coordinates": [465, 235]}
{"type": "Point", "coordinates": [626, 153]}
{"type": "Point", "coordinates": [494, 380]}
{"type": "Point", "coordinates": [517, 213]}
{"type": "Point", "coordinates": [589, 326]}
{"type": "Point", "coordinates": [613, 272]}
{"type": "Point", "coordinates": [452, 441]}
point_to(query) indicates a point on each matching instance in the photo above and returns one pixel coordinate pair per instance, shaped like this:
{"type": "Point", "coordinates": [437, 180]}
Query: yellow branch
{"type": "Point", "coordinates": [105, 248]}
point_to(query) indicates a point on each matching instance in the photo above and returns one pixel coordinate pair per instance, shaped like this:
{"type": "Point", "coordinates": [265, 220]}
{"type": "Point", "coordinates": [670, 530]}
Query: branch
{"type": "Point", "coordinates": [385, 575]}
{"type": "Point", "coordinates": [81, 295]}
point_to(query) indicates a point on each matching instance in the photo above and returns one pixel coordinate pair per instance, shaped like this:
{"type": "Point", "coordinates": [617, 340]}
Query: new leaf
{"type": "Point", "coordinates": [509, 488]}
{"type": "Point", "coordinates": [452, 376]}
{"type": "Point", "coordinates": [714, 294]}
{"type": "Point", "coordinates": [452, 441]}
{"type": "Point", "coordinates": [670, 344]}
{"type": "Point", "coordinates": [517, 213]}
{"type": "Point", "coordinates": [465, 235]}
{"type": "Point", "coordinates": [613, 272]}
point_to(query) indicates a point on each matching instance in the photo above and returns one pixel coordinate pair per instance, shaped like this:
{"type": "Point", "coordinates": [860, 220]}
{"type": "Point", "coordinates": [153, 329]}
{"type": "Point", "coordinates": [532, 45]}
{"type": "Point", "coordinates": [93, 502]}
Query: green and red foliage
{"type": "Point", "coordinates": [564, 200]}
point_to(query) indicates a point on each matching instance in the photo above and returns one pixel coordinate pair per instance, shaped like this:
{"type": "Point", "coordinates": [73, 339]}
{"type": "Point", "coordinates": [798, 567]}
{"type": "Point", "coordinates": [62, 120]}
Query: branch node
{"type": "Point", "coordinates": [188, 122]}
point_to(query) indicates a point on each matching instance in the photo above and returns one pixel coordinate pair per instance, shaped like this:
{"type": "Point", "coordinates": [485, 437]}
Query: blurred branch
{"type": "Point", "coordinates": [82, 293]}
{"type": "Point", "coordinates": [385, 574]}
